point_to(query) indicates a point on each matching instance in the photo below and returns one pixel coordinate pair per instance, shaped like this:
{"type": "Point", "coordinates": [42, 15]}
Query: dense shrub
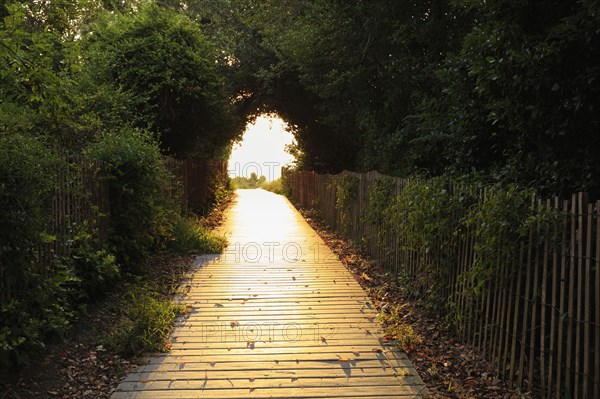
{"type": "Point", "coordinates": [94, 266]}
{"type": "Point", "coordinates": [32, 301]}
{"type": "Point", "coordinates": [142, 209]}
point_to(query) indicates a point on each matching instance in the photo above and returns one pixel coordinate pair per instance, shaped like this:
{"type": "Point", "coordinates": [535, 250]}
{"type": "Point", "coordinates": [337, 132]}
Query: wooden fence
{"type": "Point", "coordinates": [537, 319]}
{"type": "Point", "coordinates": [82, 198]}
{"type": "Point", "coordinates": [199, 180]}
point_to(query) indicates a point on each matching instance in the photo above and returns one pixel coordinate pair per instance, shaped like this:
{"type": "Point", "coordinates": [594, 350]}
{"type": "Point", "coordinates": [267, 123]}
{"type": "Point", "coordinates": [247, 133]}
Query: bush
{"type": "Point", "coordinates": [142, 208]}
{"type": "Point", "coordinates": [274, 186]}
{"type": "Point", "coordinates": [33, 302]}
{"type": "Point", "coordinates": [93, 266]}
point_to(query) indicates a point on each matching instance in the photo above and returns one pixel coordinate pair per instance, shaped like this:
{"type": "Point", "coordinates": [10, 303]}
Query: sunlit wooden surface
{"type": "Point", "coordinates": [276, 316]}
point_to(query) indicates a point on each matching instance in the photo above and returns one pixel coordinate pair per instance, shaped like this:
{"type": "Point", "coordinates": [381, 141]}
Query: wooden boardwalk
{"type": "Point", "coordinates": [276, 316]}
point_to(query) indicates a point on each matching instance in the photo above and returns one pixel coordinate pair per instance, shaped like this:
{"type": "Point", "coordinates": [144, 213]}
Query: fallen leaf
{"type": "Point", "coordinates": [251, 379]}
{"type": "Point", "coordinates": [233, 323]}
{"type": "Point", "coordinates": [344, 360]}
{"type": "Point", "coordinates": [293, 278]}
{"type": "Point", "coordinates": [145, 381]}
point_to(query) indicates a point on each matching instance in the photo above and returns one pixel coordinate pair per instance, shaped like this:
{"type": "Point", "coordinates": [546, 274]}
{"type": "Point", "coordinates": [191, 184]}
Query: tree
{"type": "Point", "coordinates": [162, 59]}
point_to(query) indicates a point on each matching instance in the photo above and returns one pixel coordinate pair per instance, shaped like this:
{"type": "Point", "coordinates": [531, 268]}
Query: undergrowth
{"type": "Point", "coordinates": [190, 236]}
{"type": "Point", "coordinates": [146, 322]}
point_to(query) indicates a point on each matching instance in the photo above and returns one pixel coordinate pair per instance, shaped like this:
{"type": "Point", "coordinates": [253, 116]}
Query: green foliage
{"type": "Point", "coordinates": [169, 69]}
{"type": "Point", "coordinates": [505, 90]}
{"type": "Point", "coordinates": [28, 319]}
{"type": "Point", "coordinates": [430, 217]}
{"type": "Point", "coordinates": [427, 212]}
{"type": "Point", "coordinates": [146, 322]}
{"type": "Point", "coordinates": [33, 303]}
{"type": "Point", "coordinates": [425, 217]}
{"type": "Point", "coordinates": [27, 173]}
{"type": "Point", "coordinates": [505, 218]}
{"type": "Point", "coordinates": [275, 186]}
{"type": "Point", "coordinates": [93, 266]}
{"type": "Point", "coordinates": [346, 189]}
{"type": "Point", "coordinates": [248, 182]}
{"type": "Point", "coordinates": [190, 236]}
{"type": "Point", "coordinates": [142, 209]}
{"type": "Point", "coordinates": [379, 201]}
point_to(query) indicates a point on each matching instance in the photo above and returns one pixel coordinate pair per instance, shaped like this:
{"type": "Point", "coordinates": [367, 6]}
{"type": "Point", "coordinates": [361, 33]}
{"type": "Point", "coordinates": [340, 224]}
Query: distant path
{"type": "Point", "coordinates": [276, 316]}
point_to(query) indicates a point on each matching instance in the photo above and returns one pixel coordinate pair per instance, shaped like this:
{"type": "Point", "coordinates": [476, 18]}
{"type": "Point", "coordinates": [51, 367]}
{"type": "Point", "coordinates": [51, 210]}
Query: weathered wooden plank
{"type": "Point", "coordinates": [597, 307]}
{"type": "Point", "coordinates": [563, 293]}
{"type": "Point", "coordinates": [254, 380]}
{"type": "Point", "coordinates": [289, 373]}
{"type": "Point", "coordinates": [288, 365]}
{"type": "Point", "coordinates": [380, 391]}
{"type": "Point", "coordinates": [553, 307]}
{"type": "Point", "coordinates": [587, 317]}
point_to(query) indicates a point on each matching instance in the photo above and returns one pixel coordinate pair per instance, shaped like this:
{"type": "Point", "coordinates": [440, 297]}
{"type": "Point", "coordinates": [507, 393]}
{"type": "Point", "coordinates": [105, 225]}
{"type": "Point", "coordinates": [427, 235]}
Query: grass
{"type": "Point", "coordinates": [148, 313]}
{"type": "Point", "coordinates": [190, 236]}
{"type": "Point", "coordinates": [146, 322]}
{"type": "Point", "coordinates": [397, 329]}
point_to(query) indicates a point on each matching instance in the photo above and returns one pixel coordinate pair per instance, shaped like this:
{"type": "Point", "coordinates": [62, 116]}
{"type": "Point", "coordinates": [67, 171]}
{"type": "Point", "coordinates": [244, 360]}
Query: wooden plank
{"type": "Point", "coordinates": [526, 306]}
{"type": "Point", "coordinates": [392, 391]}
{"type": "Point", "coordinates": [543, 307]}
{"type": "Point", "coordinates": [323, 368]}
{"type": "Point", "coordinates": [597, 306]}
{"type": "Point", "coordinates": [534, 306]}
{"type": "Point", "coordinates": [266, 373]}
{"type": "Point", "coordinates": [581, 199]}
{"type": "Point", "coordinates": [587, 316]}
{"type": "Point", "coordinates": [571, 302]}
{"type": "Point", "coordinates": [563, 293]}
{"type": "Point", "coordinates": [504, 364]}
{"type": "Point", "coordinates": [255, 380]}
{"type": "Point", "coordinates": [553, 308]}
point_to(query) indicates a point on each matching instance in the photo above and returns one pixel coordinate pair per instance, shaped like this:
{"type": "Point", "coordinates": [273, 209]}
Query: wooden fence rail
{"type": "Point", "coordinates": [537, 318]}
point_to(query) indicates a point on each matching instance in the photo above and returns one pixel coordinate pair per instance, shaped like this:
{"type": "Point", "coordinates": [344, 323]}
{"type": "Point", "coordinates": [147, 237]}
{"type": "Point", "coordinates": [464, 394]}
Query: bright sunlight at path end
{"type": "Point", "coordinates": [276, 316]}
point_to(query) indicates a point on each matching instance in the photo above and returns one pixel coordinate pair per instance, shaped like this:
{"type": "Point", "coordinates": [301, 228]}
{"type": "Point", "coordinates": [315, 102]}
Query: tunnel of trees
{"type": "Point", "coordinates": [504, 91]}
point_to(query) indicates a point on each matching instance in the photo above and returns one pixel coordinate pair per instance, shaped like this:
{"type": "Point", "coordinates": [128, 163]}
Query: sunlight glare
{"type": "Point", "coordinates": [262, 149]}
